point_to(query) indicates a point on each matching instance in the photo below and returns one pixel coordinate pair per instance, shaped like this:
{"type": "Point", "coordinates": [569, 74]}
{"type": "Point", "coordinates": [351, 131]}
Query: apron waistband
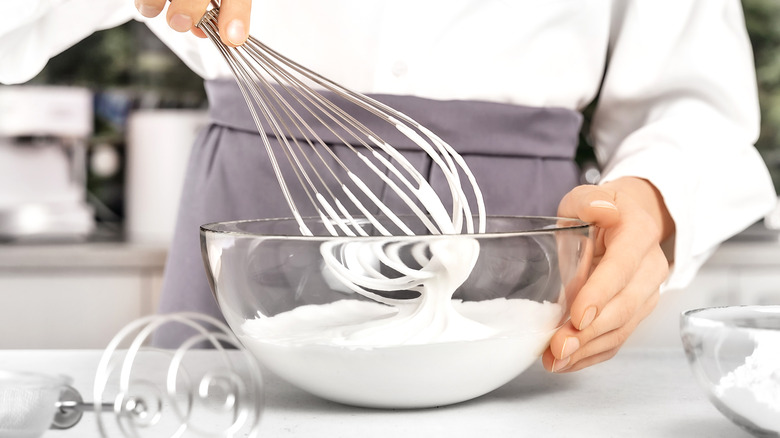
{"type": "Point", "coordinates": [470, 127]}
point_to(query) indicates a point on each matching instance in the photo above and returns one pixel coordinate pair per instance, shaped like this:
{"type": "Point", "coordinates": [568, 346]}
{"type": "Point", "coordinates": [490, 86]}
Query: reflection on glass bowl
{"type": "Point", "coordinates": [734, 353]}
{"type": "Point", "coordinates": [400, 321]}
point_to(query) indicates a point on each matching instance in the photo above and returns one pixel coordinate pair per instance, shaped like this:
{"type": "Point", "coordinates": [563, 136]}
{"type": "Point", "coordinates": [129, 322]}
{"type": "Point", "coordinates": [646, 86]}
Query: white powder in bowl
{"type": "Point", "coordinates": [752, 390]}
{"type": "Point", "coordinates": [339, 351]}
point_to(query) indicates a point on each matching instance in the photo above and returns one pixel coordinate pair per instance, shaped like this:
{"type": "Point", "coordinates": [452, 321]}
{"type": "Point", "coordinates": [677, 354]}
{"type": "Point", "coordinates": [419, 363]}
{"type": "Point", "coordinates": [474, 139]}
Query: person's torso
{"type": "Point", "coordinates": [548, 54]}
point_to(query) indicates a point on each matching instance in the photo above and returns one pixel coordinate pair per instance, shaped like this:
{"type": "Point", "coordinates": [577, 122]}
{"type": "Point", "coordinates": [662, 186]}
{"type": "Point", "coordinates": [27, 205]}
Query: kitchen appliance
{"type": "Point", "coordinates": [146, 391]}
{"type": "Point", "coordinates": [43, 143]}
{"type": "Point", "coordinates": [158, 144]}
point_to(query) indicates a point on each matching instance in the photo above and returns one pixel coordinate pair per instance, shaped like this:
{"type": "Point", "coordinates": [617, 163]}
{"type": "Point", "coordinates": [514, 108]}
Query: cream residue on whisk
{"type": "Point", "coordinates": [432, 316]}
{"type": "Point", "coordinates": [753, 388]}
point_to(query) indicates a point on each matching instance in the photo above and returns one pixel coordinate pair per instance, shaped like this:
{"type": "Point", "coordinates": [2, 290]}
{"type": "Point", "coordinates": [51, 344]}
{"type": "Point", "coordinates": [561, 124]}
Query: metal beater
{"type": "Point", "coordinates": [287, 99]}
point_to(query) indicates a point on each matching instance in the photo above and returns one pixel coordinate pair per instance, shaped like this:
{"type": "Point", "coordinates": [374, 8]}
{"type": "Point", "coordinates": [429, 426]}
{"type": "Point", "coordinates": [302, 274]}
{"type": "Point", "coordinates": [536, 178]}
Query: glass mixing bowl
{"type": "Point", "coordinates": [397, 322]}
{"type": "Point", "coordinates": [734, 353]}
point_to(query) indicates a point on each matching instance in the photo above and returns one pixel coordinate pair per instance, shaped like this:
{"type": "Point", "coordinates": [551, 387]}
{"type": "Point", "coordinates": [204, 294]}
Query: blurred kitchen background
{"type": "Point", "coordinates": [85, 227]}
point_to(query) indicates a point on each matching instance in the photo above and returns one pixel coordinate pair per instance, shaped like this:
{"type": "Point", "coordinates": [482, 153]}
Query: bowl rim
{"type": "Point", "coordinates": [698, 314]}
{"type": "Point", "coordinates": [577, 224]}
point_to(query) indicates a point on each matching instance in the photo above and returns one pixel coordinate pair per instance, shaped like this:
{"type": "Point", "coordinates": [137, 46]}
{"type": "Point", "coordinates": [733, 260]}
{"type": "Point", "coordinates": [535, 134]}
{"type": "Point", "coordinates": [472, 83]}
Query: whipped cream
{"type": "Point", "coordinates": [314, 347]}
{"type": "Point", "coordinates": [752, 390]}
{"type": "Point", "coordinates": [355, 324]}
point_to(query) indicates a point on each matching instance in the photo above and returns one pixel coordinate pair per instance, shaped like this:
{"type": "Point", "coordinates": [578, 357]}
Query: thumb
{"type": "Point", "coordinates": [592, 204]}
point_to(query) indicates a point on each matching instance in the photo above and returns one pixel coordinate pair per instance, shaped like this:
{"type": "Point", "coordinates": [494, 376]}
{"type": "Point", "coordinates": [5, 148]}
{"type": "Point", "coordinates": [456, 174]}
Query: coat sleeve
{"type": "Point", "coordinates": [41, 29]}
{"type": "Point", "coordinates": [679, 108]}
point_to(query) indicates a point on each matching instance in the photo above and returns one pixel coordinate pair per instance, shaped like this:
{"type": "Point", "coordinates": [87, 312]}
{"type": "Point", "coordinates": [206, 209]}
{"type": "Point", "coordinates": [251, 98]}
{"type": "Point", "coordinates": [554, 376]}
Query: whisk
{"type": "Point", "coordinates": [287, 100]}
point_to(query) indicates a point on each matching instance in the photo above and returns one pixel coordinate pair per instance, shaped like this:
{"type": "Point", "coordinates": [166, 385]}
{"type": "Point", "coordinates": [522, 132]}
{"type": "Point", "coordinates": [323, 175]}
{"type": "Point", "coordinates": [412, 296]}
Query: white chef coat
{"type": "Point", "coordinates": [678, 103]}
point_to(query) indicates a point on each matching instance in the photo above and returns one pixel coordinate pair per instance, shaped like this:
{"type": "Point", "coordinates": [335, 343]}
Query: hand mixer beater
{"type": "Point", "coordinates": [292, 104]}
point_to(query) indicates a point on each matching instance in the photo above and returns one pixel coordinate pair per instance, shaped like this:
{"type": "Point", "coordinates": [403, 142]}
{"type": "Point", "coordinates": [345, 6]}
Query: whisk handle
{"type": "Point", "coordinates": [214, 3]}
{"type": "Point", "coordinates": [70, 409]}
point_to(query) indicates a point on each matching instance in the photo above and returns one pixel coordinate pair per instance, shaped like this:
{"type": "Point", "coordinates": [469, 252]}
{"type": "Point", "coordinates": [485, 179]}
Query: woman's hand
{"type": "Point", "coordinates": [183, 15]}
{"type": "Point", "coordinates": [628, 267]}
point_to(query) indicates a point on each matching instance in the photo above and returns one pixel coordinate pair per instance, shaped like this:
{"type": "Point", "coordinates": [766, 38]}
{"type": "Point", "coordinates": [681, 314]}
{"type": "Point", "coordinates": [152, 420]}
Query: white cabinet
{"type": "Point", "coordinates": [75, 296]}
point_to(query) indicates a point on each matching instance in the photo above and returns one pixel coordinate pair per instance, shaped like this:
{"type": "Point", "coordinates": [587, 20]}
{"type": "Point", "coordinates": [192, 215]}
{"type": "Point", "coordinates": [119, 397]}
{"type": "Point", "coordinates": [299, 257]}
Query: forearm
{"type": "Point", "coordinates": [49, 27]}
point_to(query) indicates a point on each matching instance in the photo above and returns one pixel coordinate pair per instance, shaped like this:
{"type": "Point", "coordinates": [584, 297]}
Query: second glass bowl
{"type": "Point", "coordinates": [734, 353]}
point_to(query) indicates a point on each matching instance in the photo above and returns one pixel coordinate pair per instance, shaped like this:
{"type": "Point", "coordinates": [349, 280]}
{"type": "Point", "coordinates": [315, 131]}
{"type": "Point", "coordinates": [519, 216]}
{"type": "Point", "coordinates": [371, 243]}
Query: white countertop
{"type": "Point", "coordinates": [83, 255]}
{"type": "Point", "coordinates": [639, 393]}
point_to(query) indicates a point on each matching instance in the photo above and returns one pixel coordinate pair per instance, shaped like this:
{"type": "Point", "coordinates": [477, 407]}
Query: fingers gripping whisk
{"type": "Point", "coordinates": [302, 115]}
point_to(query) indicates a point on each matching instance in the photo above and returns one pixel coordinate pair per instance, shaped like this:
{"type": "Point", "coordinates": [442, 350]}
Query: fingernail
{"type": "Point", "coordinates": [600, 203]}
{"type": "Point", "coordinates": [588, 318]}
{"type": "Point", "coordinates": [146, 10]}
{"type": "Point", "coordinates": [559, 364]}
{"type": "Point", "coordinates": [236, 33]}
{"type": "Point", "coordinates": [180, 23]}
{"type": "Point", "coordinates": [570, 345]}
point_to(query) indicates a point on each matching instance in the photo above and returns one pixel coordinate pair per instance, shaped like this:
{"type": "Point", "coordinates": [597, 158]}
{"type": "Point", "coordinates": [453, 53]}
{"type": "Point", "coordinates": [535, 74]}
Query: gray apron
{"type": "Point", "coordinates": [522, 158]}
